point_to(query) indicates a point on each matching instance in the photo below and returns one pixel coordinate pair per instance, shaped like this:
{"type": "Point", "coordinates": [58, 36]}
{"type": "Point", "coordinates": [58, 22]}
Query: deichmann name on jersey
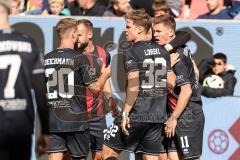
{"type": "Point", "coordinates": [66, 61]}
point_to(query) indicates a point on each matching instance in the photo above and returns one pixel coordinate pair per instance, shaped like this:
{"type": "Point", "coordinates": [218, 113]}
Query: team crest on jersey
{"type": "Point", "coordinates": [129, 63]}
{"type": "Point", "coordinates": [100, 61]}
{"type": "Point", "coordinates": [92, 72]}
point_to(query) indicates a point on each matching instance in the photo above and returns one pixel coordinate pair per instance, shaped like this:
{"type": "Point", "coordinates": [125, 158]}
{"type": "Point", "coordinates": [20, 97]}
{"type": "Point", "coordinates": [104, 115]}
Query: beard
{"type": "Point", "coordinates": [80, 47]}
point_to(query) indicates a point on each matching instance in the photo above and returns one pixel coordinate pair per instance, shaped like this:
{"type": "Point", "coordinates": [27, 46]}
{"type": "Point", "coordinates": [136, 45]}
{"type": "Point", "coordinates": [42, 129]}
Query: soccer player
{"type": "Point", "coordinates": [20, 71]}
{"type": "Point", "coordinates": [69, 74]}
{"type": "Point", "coordinates": [187, 117]}
{"type": "Point", "coordinates": [98, 123]}
{"type": "Point", "coordinates": [140, 127]}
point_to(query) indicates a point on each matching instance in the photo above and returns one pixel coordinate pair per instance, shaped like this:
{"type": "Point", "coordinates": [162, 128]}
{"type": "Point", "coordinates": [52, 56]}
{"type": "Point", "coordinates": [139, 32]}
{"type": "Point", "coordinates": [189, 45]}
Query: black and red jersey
{"type": "Point", "coordinates": [97, 104]}
{"type": "Point", "coordinates": [152, 61]}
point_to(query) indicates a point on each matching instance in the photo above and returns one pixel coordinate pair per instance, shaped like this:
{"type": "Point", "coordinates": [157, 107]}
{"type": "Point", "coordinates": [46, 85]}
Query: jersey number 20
{"type": "Point", "coordinates": [57, 79]}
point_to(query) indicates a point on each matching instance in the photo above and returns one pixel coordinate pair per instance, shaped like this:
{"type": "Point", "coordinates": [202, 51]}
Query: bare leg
{"type": "Point", "coordinates": [97, 155]}
{"type": "Point", "coordinates": [109, 152]}
{"type": "Point", "coordinates": [173, 156]}
{"type": "Point", "coordinates": [150, 157]}
{"type": "Point", "coordinates": [55, 156]}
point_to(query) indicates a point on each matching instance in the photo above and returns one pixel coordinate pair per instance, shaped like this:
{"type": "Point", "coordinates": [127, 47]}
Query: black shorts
{"type": "Point", "coordinates": [76, 143]}
{"type": "Point", "coordinates": [96, 128]}
{"type": "Point", "coordinates": [144, 138]}
{"type": "Point", "coordinates": [15, 147]}
{"type": "Point", "coordinates": [189, 133]}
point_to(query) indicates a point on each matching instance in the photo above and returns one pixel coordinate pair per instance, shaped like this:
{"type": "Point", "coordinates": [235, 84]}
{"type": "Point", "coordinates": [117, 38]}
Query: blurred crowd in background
{"type": "Point", "coordinates": [183, 9]}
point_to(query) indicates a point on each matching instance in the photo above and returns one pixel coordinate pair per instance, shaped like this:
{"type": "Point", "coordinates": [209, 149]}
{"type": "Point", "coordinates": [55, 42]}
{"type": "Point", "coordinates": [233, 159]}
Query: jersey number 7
{"type": "Point", "coordinates": [14, 61]}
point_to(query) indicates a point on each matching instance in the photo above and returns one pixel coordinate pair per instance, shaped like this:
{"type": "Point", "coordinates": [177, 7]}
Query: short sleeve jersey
{"type": "Point", "coordinates": [152, 62]}
{"type": "Point", "coordinates": [185, 74]}
{"type": "Point", "coordinates": [19, 63]}
{"type": "Point", "coordinates": [68, 73]}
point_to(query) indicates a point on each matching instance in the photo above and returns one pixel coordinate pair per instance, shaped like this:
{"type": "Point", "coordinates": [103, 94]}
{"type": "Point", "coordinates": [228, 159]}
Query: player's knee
{"type": "Point", "coordinates": [97, 156]}
{"type": "Point", "coordinates": [109, 153]}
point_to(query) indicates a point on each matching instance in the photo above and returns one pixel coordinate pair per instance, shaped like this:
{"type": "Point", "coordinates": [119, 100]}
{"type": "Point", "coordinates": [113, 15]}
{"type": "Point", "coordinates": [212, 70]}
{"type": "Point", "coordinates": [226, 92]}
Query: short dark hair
{"type": "Point", "coordinates": [140, 18]}
{"type": "Point", "coordinates": [87, 23]}
{"type": "Point", "coordinates": [221, 56]}
{"type": "Point", "coordinates": [166, 20]}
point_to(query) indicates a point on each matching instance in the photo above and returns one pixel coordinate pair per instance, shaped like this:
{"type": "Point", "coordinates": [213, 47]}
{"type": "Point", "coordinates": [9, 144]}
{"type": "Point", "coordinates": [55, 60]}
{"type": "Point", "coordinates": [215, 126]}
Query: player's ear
{"type": "Point", "coordinates": [115, 7]}
{"type": "Point", "coordinates": [90, 35]}
{"type": "Point", "coordinates": [139, 29]}
{"type": "Point", "coordinates": [171, 32]}
{"type": "Point", "coordinates": [75, 35]}
{"type": "Point", "coordinates": [225, 65]}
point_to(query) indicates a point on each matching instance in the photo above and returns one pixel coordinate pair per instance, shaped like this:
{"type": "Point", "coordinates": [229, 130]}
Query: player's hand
{"type": "Point", "coordinates": [170, 126]}
{"type": "Point", "coordinates": [113, 106]}
{"type": "Point", "coordinates": [42, 144]}
{"type": "Point", "coordinates": [106, 70]}
{"type": "Point", "coordinates": [174, 58]}
{"type": "Point", "coordinates": [125, 125]}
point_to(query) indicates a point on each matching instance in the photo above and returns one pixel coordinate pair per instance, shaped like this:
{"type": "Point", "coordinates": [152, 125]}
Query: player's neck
{"type": "Point", "coordinates": [144, 37]}
{"type": "Point", "coordinates": [65, 44]}
{"type": "Point", "coordinates": [90, 47]}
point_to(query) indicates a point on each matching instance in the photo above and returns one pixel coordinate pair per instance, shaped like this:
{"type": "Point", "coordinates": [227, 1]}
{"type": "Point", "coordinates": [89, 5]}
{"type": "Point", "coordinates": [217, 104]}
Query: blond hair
{"type": "Point", "coordinates": [64, 26]}
{"type": "Point", "coordinates": [140, 18]}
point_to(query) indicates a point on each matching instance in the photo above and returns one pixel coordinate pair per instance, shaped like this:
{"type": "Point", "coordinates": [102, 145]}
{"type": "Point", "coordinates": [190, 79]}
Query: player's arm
{"type": "Point", "coordinates": [171, 81]}
{"type": "Point", "coordinates": [196, 70]}
{"type": "Point", "coordinates": [131, 96]}
{"type": "Point", "coordinates": [181, 38]}
{"type": "Point", "coordinates": [107, 87]}
{"type": "Point", "coordinates": [97, 86]}
{"type": "Point", "coordinates": [183, 100]}
{"type": "Point", "coordinates": [39, 86]}
{"type": "Point", "coordinates": [132, 69]}
{"type": "Point", "coordinates": [183, 81]}
{"type": "Point", "coordinates": [112, 103]}
{"type": "Point", "coordinates": [171, 77]}
{"type": "Point", "coordinates": [108, 90]}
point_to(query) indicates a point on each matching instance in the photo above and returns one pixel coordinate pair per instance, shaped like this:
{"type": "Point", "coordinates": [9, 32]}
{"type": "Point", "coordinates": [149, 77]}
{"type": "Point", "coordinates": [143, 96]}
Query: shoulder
{"type": "Point", "coordinates": [22, 37]}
